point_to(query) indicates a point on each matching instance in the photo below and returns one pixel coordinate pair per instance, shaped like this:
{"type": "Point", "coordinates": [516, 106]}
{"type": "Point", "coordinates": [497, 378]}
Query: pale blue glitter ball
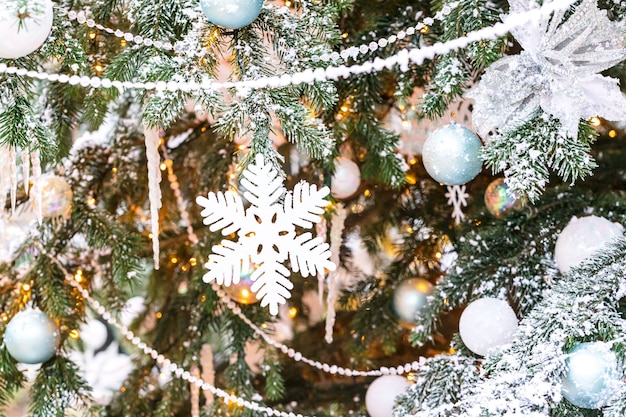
{"type": "Point", "coordinates": [31, 337]}
{"type": "Point", "coordinates": [231, 14]}
{"type": "Point", "coordinates": [451, 155]}
{"type": "Point", "coordinates": [409, 298]}
{"type": "Point", "coordinates": [591, 376]}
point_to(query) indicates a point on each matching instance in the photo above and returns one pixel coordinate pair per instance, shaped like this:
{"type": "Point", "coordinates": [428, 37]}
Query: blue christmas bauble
{"type": "Point", "coordinates": [410, 297]}
{"type": "Point", "coordinates": [232, 14]}
{"type": "Point", "coordinates": [31, 337]}
{"type": "Point", "coordinates": [591, 378]}
{"type": "Point", "coordinates": [451, 155]}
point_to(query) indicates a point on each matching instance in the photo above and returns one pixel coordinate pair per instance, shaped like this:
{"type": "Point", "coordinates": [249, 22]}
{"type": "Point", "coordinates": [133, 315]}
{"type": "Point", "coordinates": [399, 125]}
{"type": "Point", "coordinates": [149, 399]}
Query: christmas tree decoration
{"type": "Point", "coordinates": [267, 233]}
{"type": "Point", "coordinates": [381, 395]}
{"type": "Point", "coordinates": [242, 292]}
{"type": "Point", "coordinates": [499, 199]}
{"type": "Point", "coordinates": [582, 238]}
{"type": "Point", "coordinates": [24, 26]}
{"type": "Point", "coordinates": [409, 298]}
{"type": "Point", "coordinates": [31, 337]}
{"type": "Point", "coordinates": [51, 196]}
{"type": "Point", "coordinates": [558, 72]}
{"type": "Point", "coordinates": [457, 198]}
{"type": "Point", "coordinates": [346, 179]}
{"type": "Point", "coordinates": [487, 324]}
{"type": "Point", "coordinates": [591, 376]}
{"type": "Point", "coordinates": [234, 14]}
{"type": "Point", "coordinates": [451, 155]}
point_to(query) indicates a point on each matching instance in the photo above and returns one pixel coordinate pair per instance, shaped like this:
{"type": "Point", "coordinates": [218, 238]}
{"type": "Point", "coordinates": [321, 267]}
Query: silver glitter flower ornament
{"type": "Point", "coordinates": [557, 72]}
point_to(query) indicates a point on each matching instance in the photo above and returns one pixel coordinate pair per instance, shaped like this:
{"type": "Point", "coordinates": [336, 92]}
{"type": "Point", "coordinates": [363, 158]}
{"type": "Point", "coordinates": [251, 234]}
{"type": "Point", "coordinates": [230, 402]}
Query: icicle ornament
{"type": "Point", "coordinates": [266, 233]}
{"type": "Point", "coordinates": [558, 72]}
{"type": "Point", "coordinates": [337, 226]}
{"type": "Point", "coordinates": [152, 138]}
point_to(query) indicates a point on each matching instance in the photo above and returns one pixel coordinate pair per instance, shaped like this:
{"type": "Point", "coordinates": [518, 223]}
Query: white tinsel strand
{"type": "Point", "coordinates": [321, 231]}
{"type": "Point", "coordinates": [26, 168]}
{"type": "Point", "coordinates": [36, 163]}
{"type": "Point", "coordinates": [180, 203]}
{"type": "Point", "coordinates": [337, 225]}
{"type": "Point", "coordinates": [154, 180]}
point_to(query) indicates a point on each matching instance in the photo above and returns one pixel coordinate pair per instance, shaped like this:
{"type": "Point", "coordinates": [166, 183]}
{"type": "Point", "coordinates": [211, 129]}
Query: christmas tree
{"type": "Point", "coordinates": [312, 208]}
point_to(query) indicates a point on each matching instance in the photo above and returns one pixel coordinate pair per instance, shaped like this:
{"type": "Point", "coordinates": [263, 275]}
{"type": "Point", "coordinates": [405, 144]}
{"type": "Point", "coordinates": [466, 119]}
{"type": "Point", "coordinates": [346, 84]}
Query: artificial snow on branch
{"type": "Point", "coordinates": [266, 233]}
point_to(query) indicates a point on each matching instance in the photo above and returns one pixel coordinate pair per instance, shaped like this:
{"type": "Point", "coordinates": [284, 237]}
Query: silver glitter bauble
{"type": "Point", "coordinates": [410, 297]}
{"type": "Point", "coordinates": [31, 337]}
{"type": "Point", "coordinates": [451, 155]}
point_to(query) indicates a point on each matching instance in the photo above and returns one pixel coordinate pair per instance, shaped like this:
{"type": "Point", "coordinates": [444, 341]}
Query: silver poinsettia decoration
{"type": "Point", "coordinates": [558, 71]}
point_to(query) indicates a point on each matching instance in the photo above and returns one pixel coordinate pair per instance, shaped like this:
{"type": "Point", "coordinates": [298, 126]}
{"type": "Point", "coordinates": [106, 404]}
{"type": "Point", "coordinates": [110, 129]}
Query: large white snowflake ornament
{"type": "Point", "coordinates": [266, 233]}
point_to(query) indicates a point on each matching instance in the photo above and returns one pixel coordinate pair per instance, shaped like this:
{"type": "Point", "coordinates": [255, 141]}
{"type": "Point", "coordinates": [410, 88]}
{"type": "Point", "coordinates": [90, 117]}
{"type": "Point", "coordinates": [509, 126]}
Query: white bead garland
{"type": "Point", "coordinates": [299, 357]}
{"type": "Point", "coordinates": [402, 59]}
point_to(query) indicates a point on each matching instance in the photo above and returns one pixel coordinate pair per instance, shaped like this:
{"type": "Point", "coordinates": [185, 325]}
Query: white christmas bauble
{"type": "Point", "coordinates": [410, 297]}
{"type": "Point", "coordinates": [24, 26]}
{"type": "Point", "coordinates": [381, 394]}
{"type": "Point", "coordinates": [591, 378]}
{"type": "Point", "coordinates": [581, 238]}
{"type": "Point", "coordinates": [486, 324]}
{"type": "Point", "coordinates": [346, 179]}
{"type": "Point", "coordinates": [93, 334]}
{"type": "Point", "coordinates": [231, 14]}
{"type": "Point", "coordinates": [451, 155]}
{"type": "Point", "coordinates": [31, 337]}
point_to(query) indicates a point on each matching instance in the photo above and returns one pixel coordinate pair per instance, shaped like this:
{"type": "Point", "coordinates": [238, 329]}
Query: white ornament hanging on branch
{"type": "Point", "coordinates": [558, 71]}
{"type": "Point", "coordinates": [266, 233]}
{"type": "Point", "coordinates": [24, 26]}
{"type": "Point", "coordinates": [152, 139]}
{"type": "Point", "coordinates": [336, 232]}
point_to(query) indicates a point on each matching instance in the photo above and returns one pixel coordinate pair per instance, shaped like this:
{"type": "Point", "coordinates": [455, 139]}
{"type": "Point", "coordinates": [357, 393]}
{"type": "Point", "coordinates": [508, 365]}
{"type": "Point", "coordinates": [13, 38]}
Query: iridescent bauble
{"type": "Point", "coordinates": [499, 199]}
{"type": "Point", "coordinates": [591, 378]}
{"type": "Point", "coordinates": [581, 238]}
{"type": "Point", "coordinates": [381, 394]}
{"type": "Point", "coordinates": [486, 324]}
{"type": "Point", "coordinates": [451, 155]}
{"type": "Point", "coordinates": [346, 179]}
{"type": "Point", "coordinates": [242, 291]}
{"type": "Point", "coordinates": [24, 26]}
{"type": "Point", "coordinates": [410, 297]}
{"type": "Point", "coordinates": [31, 337]}
{"type": "Point", "coordinates": [56, 196]}
{"type": "Point", "coordinates": [231, 14]}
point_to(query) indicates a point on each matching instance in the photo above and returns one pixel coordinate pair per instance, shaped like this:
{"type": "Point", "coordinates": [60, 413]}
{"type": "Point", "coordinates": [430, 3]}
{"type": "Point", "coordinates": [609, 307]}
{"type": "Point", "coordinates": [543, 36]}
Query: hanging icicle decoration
{"type": "Point", "coordinates": [26, 168]}
{"type": "Point", "coordinates": [152, 138]}
{"type": "Point", "coordinates": [13, 178]}
{"type": "Point", "coordinates": [337, 225]}
{"type": "Point", "coordinates": [36, 163]}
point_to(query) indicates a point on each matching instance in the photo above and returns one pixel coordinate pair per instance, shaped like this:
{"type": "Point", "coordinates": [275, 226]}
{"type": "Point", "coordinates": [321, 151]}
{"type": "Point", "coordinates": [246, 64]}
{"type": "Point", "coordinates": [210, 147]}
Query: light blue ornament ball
{"type": "Point", "coordinates": [410, 297]}
{"type": "Point", "coordinates": [31, 337]}
{"type": "Point", "coordinates": [591, 378]}
{"type": "Point", "coordinates": [451, 155]}
{"type": "Point", "coordinates": [231, 14]}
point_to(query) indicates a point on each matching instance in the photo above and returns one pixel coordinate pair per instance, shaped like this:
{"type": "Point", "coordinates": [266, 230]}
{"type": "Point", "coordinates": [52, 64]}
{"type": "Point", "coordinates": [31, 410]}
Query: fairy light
{"type": "Point", "coordinates": [595, 121]}
{"type": "Point", "coordinates": [612, 134]}
{"type": "Point", "coordinates": [158, 315]}
{"type": "Point", "coordinates": [293, 312]}
{"type": "Point", "coordinates": [74, 334]}
{"type": "Point", "coordinates": [193, 261]}
{"type": "Point", "coordinates": [174, 260]}
{"type": "Point", "coordinates": [78, 276]}
{"type": "Point", "coordinates": [92, 35]}
{"type": "Point", "coordinates": [26, 287]}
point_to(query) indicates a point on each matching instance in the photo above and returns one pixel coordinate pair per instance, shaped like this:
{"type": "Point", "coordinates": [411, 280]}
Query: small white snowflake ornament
{"type": "Point", "coordinates": [266, 233]}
